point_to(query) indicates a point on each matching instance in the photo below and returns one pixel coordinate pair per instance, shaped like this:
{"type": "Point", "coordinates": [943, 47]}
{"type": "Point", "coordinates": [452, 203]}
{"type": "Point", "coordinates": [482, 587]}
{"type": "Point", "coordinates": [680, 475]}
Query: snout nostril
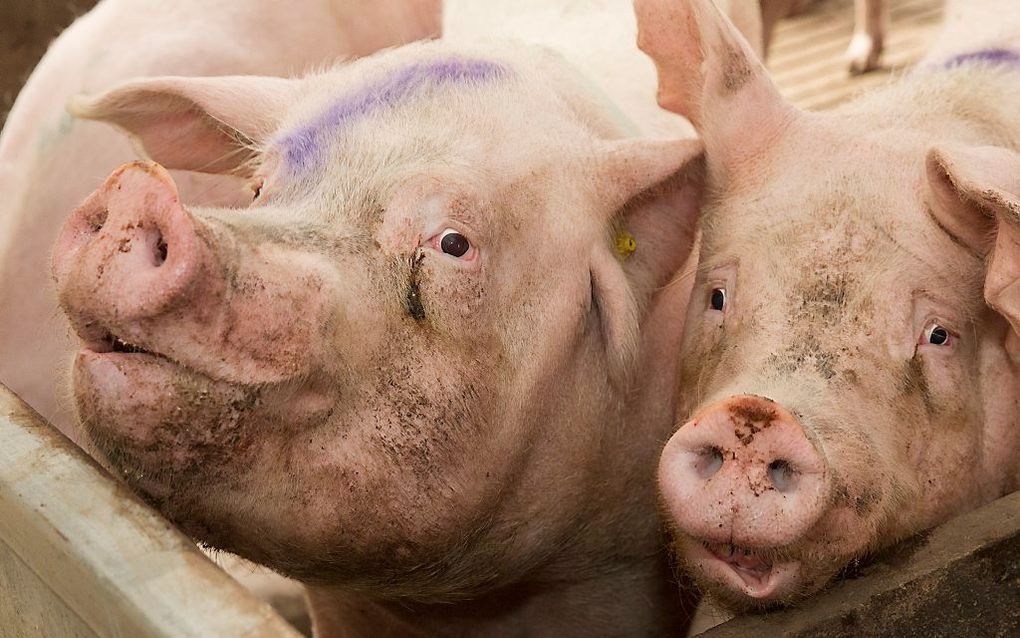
{"type": "Point", "coordinates": [708, 463]}
{"type": "Point", "coordinates": [161, 250]}
{"type": "Point", "coordinates": [782, 474]}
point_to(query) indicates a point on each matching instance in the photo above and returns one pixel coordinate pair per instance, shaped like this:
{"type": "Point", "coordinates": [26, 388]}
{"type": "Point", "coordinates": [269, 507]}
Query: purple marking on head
{"type": "Point", "coordinates": [988, 56]}
{"type": "Point", "coordinates": [301, 146]}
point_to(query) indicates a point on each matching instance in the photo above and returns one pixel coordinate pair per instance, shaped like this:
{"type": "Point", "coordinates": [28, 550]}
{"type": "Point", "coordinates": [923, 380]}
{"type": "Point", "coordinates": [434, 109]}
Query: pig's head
{"type": "Point", "coordinates": [405, 367]}
{"type": "Point", "coordinates": [843, 382]}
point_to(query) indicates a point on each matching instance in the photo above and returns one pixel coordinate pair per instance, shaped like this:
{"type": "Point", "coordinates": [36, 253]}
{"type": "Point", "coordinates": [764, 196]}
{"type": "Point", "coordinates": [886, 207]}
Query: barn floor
{"type": "Point", "coordinates": [807, 52]}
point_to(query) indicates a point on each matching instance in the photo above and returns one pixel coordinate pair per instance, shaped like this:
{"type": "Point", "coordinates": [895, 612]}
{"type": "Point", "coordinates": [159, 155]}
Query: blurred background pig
{"type": "Point", "coordinates": [848, 370]}
{"type": "Point", "coordinates": [441, 338]}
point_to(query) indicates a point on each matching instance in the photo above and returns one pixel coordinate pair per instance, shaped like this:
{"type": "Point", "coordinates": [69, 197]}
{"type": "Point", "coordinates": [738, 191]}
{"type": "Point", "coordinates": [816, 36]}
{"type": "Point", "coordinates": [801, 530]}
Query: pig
{"type": "Point", "coordinates": [428, 370]}
{"type": "Point", "coordinates": [848, 369]}
{"type": "Point", "coordinates": [49, 162]}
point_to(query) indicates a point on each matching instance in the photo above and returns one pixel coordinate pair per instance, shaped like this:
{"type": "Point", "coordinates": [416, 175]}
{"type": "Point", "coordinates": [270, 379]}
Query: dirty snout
{"type": "Point", "coordinates": [740, 482]}
{"type": "Point", "coordinates": [183, 322]}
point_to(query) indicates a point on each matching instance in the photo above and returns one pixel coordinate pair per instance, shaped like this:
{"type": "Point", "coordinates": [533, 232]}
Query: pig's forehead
{"type": "Point", "coordinates": [338, 102]}
{"type": "Point", "coordinates": [883, 240]}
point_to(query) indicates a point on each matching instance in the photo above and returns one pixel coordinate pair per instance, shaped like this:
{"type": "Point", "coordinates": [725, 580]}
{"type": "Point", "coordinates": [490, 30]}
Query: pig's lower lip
{"type": "Point", "coordinates": [743, 571]}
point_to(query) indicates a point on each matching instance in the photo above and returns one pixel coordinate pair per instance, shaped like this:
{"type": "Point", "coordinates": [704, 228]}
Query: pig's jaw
{"type": "Point", "coordinates": [154, 419]}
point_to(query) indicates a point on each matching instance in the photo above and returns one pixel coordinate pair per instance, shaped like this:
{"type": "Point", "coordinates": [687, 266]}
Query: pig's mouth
{"type": "Point", "coordinates": [743, 576]}
{"type": "Point", "coordinates": [112, 343]}
{"type": "Point", "coordinates": [101, 341]}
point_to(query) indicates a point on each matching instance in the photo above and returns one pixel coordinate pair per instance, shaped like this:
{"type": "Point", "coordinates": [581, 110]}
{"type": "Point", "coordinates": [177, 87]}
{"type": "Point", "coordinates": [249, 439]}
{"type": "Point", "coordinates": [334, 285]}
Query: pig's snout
{"type": "Point", "coordinates": [130, 249]}
{"type": "Point", "coordinates": [744, 472]}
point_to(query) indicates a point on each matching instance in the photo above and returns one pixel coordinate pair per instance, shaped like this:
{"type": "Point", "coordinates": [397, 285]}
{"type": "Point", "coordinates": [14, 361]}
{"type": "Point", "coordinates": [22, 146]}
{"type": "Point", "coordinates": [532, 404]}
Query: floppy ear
{"type": "Point", "coordinates": [197, 124]}
{"type": "Point", "coordinates": [710, 74]}
{"type": "Point", "coordinates": [974, 195]}
{"type": "Point", "coordinates": [649, 192]}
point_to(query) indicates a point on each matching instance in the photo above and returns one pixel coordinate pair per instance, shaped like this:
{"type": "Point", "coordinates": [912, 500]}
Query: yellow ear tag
{"type": "Point", "coordinates": [625, 244]}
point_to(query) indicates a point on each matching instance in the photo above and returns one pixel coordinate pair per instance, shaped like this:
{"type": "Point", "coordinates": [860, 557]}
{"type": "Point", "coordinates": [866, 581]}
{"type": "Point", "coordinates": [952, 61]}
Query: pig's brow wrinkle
{"type": "Point", "coordinates": [906, 250]}
{"type": "Point", "coordinates": [301, 146]}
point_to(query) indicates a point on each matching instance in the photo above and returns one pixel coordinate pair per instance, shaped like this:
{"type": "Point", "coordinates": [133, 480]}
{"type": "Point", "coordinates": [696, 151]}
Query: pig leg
{"type": "Point", "coordinates": [870, 18]}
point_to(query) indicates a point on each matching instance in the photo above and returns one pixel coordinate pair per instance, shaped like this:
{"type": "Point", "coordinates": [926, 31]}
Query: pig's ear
{"type": "Point", "coordinates": [711, 75]}
{"type": "Point", "coordinates": [974, 195]}
{"type": "Point", "coordinates": [209, 125]}
{"type": "Point", "coordinates": [649, 193]}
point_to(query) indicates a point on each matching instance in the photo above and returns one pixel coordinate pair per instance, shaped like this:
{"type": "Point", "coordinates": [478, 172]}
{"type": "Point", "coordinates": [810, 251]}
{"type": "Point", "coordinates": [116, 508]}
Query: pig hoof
{"type": "Point", "coordinates": [863, 54]}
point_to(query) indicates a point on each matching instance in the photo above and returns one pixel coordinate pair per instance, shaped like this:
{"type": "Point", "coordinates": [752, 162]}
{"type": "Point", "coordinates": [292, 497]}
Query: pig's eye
{"type": "Point", "coordinates": [717, 299]}
{"type": "Point", "coordinates": [453, 243]}
{"type": "Point", "coordinates": [937, 335]}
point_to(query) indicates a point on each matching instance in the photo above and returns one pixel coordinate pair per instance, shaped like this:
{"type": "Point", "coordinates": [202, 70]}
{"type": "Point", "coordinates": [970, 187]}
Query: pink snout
{"type": "Point", "coordinates": [130, 250]}
{"type": "Point", "coordinates": [743, 472]}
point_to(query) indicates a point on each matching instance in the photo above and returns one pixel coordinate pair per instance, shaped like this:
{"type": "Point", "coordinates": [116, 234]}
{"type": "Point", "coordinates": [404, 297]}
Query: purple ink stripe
{"type": "Point", "coordinates": [301, 146]}
{"type": "Point", "coordinates": [988, 56]}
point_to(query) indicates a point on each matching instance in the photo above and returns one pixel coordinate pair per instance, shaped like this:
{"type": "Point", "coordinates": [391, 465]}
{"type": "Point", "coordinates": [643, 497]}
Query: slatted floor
{"type": "Point", "coordinates": [807, 53]}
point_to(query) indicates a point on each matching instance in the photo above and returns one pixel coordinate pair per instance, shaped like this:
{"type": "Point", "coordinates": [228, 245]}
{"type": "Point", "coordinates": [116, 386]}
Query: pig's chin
{"type": "Point", "coordinates": [152, 419]}
{"type": "Point", "coordinates": [748, 579]}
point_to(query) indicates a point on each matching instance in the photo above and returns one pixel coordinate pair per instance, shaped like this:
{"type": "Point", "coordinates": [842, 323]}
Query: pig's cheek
{"type": "Point", "coordinates": [304, 404]}
{"type": "Point", "coordinates": [844, 532]}
{"type": "Point", "coordinates": [453, 299]}
{"type": "Point", "coordinates": [950, 407]}
{"type": "Point", "coordinates": [700, 361]}
{"type": "Point", "coordinates": [948, 440]}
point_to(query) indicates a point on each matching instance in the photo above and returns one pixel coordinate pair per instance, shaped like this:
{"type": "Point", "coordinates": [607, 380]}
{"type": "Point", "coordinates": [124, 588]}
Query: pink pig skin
{"type": "Point", "coordinates": [849, 364]}
{"type": "Point", "coordinates": [435, 437]}
{"type": "Point", "coordinates": [50, 162]}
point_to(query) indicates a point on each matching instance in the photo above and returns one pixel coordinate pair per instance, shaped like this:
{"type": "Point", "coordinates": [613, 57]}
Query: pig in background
{"type": "Point", "coordinates": [848, 369]}
{"type": "Point", "coordinates": [360, 345]}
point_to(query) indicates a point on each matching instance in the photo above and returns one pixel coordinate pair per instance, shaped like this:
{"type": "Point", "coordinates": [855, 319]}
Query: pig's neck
{"type": "Point", "coordinates": [613, 576]}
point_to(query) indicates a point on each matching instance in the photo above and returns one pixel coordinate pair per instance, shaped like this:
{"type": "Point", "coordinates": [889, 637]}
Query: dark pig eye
{"type": "Point", "coordinates": [937, 335]}
{"type": "Point", "coordinates": [717, 300]}
{"type": "Point", "coordinates": [453, 243]}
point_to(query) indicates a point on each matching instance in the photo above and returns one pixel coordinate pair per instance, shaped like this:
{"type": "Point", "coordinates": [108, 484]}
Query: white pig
{"type": "Point", "coordinates": [49, 161]}
{"type": "Point", "coordinates": [849, 375]}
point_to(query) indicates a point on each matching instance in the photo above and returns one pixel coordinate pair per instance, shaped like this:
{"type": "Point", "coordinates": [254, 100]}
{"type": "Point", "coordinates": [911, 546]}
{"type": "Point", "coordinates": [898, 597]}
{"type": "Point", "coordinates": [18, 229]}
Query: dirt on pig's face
{"type": "Point", "coordinates": [392, 348]}
{"type": "Point", "coordinates": [827, 289]}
